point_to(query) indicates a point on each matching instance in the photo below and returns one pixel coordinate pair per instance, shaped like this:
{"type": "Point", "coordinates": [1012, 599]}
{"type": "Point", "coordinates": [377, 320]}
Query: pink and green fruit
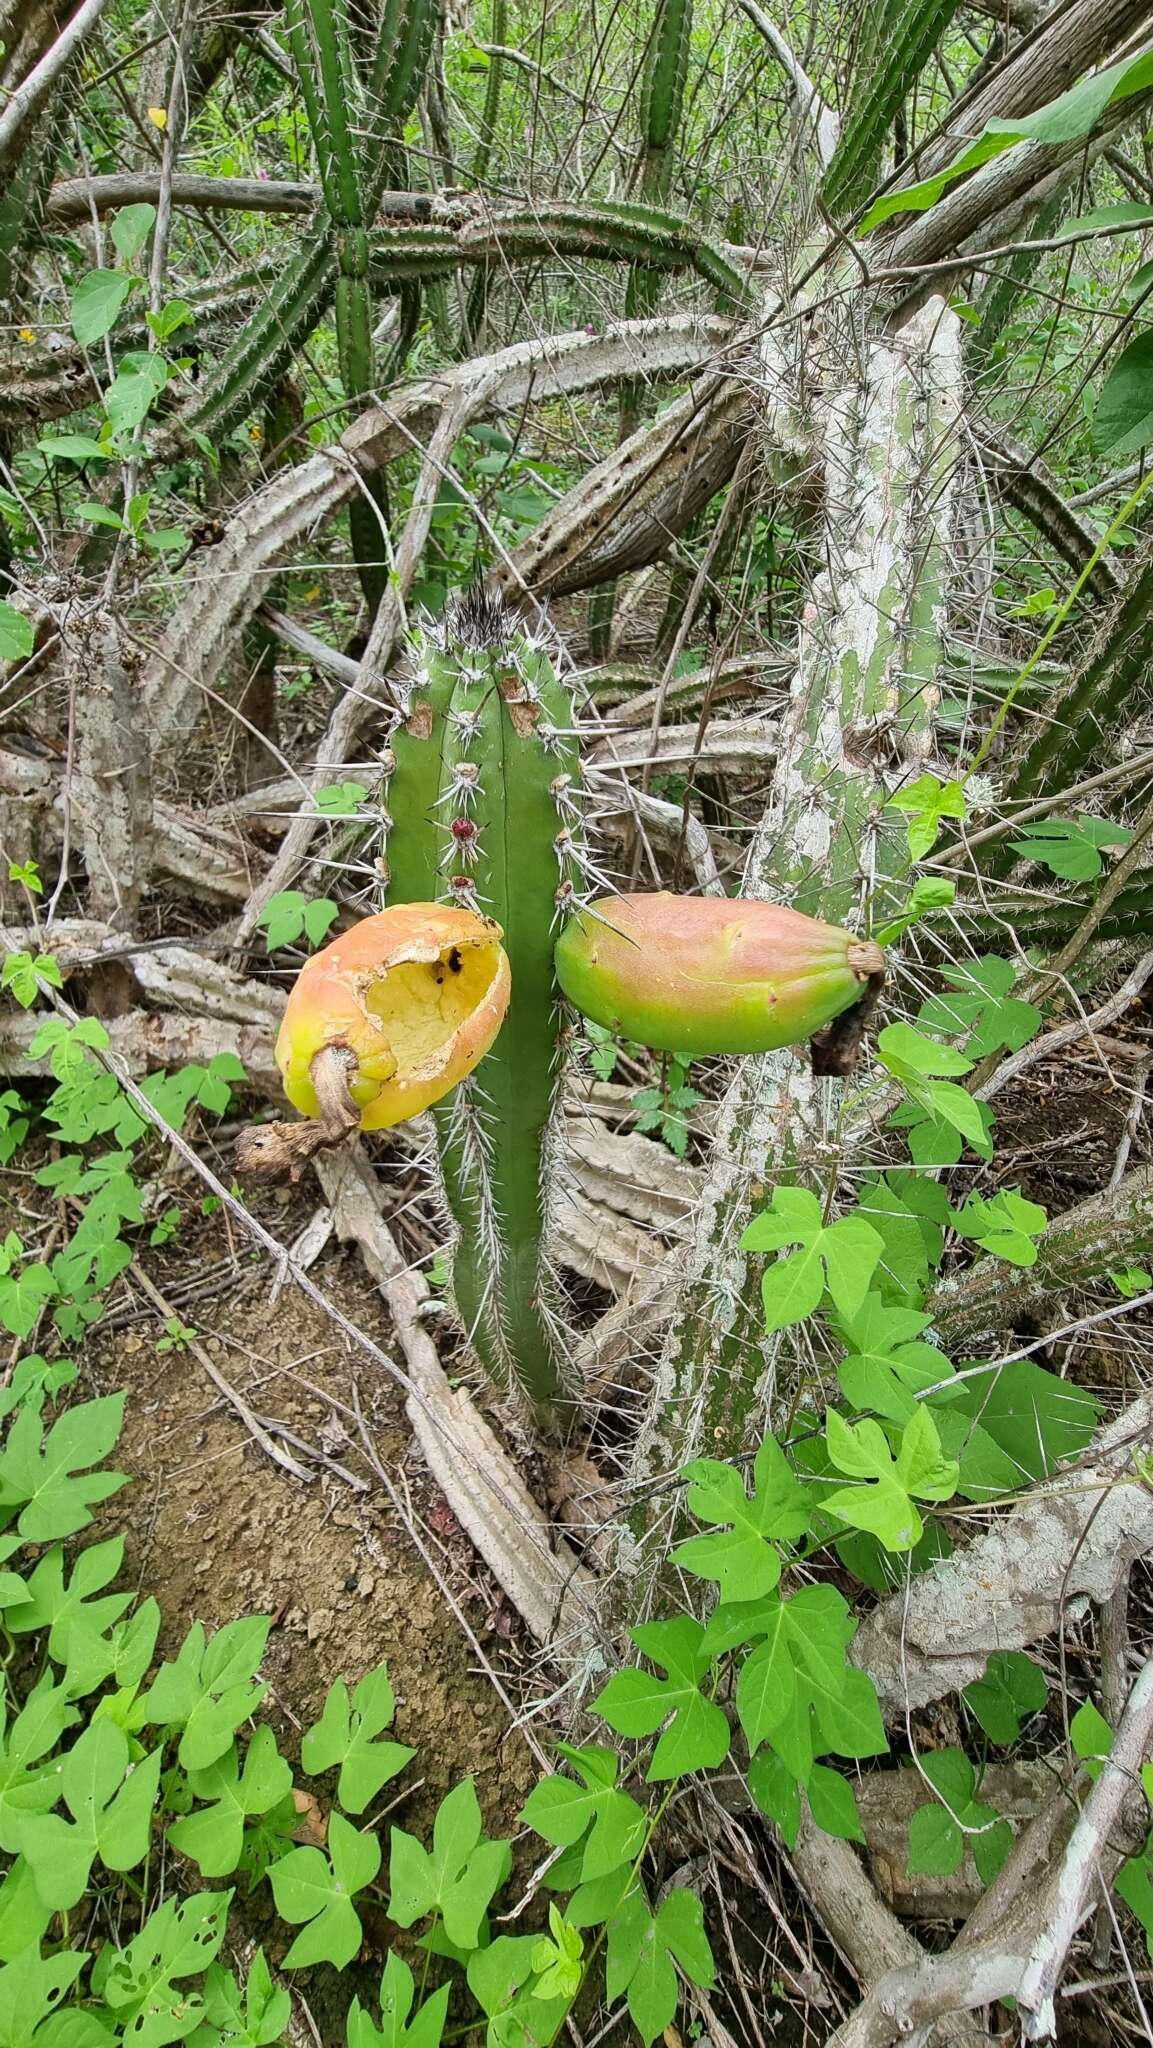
{"type": "Point", "coordinates": [710, 974]}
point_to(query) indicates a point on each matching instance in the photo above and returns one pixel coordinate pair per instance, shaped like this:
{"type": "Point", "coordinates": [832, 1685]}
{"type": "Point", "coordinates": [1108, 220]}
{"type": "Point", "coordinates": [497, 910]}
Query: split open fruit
{"type": "Point", "coordinates": [711, 974]}
{"type": "Point", "coordinates": [415, 995]}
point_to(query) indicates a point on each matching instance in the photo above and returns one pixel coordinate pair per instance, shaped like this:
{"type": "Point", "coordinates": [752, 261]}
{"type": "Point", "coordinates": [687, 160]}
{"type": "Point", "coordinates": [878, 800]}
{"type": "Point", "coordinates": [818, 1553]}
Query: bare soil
{"type": "Point", "coordinates": [215, 1530]}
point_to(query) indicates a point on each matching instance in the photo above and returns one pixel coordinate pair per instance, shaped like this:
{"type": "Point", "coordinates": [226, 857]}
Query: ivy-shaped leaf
{"type": "Point", "coordinates": [143, 1984]}
{"type": "Point", "coordinates": [842, 1256]}
{"type": "Point", "coordinates": [207, 1690]}
{"type": "Point", "coordinates": [980, 1005]}
{"type": "Point", "coordinates": [40, 1473]}
{"type": "Point", "coordinates": [312, 1887]}
{"type": "Point", "coordinates": [929, 800]}
{"type": "Point", "coordinates": [557, 1959]}
{"type": "Point", "coordinates": [503, 1982]}
{"type": "Point", "coordinates": [255, 2017]}
{"type": "Point", "coordinates": [111, 1808]}
{"type": "Point", "coordinates": [460, 1877]}
{"type": "Point", "coordinates": [884, 1505]}
{"type": "Point", "coordinates": [1070, 848]}
{"type": "Point", "coordinates": [27, 1785]}
{"type": "Point", "coordinates": [795, 1688]}
{"type": "Point", "coordinates": [638, 1703]}
{"type": "Point", "coordinates": [918, 1063]}
{"type": "Point", "coordinates": [887, 1366]}
{"type": "Point", "coordinates": [610, 1825]}
{"type": "Point", "coordinates": [396, 2030]}
{"type": "Point", "coordinates": [75, 1619]}
{"type": "Point", "coordinates": [742, 1558]}
{"type": "Point", "coordinates": [345, 1735]}
{"type": "Point", "coordinates": [214, 1836]}
{"type": "Point", "coordinates": [1004, 1224]}
{"type": "Point", "coordinates": [642, 1949]}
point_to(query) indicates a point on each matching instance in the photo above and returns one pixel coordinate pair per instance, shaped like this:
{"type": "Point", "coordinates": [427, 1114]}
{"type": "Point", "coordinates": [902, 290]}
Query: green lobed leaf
{"type": "Point", "coordinates": [638, 1703]}
{"type": "Point", "coordinates": [345, 1734]}
{"type": "Point", "coordinates": [458, 1879]}
{"type": "Point", "coordinates": [314, 1890]}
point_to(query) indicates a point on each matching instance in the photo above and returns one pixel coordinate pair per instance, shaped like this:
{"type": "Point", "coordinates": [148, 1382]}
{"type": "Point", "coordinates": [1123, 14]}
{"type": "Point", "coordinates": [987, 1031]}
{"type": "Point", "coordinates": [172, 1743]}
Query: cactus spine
{"type": "Point", "coordinates": [482, 811]}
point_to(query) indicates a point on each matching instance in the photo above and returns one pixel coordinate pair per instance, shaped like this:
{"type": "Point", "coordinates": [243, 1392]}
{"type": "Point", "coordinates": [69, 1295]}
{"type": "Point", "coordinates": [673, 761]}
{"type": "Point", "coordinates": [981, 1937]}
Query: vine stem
{"type": "Point", "coordinates": [1059, 617]}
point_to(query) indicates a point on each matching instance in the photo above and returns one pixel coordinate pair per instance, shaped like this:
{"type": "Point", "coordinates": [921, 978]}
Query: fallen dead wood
{"type": "Point", "coordinates": [1016, 1943]}
{"type": "Point", "coordinates": [189, 847]}
{"type": "Point", "coordinates": [1077, 1533]}
{"type": "Point", "coordinates": [739, 745]}
{"type": "Point", "coordinates": [540, 1574]}
{"type": "Point", "coordinates": [221, 593]}
{"type": "Point", "coordinates": [1110, 1229]}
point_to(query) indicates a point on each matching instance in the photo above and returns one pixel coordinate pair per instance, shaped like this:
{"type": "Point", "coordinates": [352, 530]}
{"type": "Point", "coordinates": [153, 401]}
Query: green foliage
{"type": "Point", "coordinates": [345, 1737]}
{"type": "Point", "coordinates": [1073, 114]}
{"type": "Point", "coordinates": [929, 801]}
{"type": "Point", "coordinates": [25, 976]}
{"type": "Point", "coordinates": [1124, 417]}
{"type": "Point", "coordinates": [97, 302]}
{"type": "Point", "coordinates": [1012, 1689]}
{"type": "Point", "coordinates": [289, 916]}
{"type": "Point", "coordinates": [883, 1503]}
{"type": "Point", "coordinates": [919, 1065]}
{"type": "Point", "coordinates": [208, 1689]}
{"type": "Point", "coordinates": [938, 1831]}
{"type": "Point", "coordinates": [17, 637]}
{"type": "Point", "coordinates": [1070, 848]}
{"type": "Point", "coordinates": [841, 1257]}
{"type": "Point", "coordinates": [457, 1881]}
{"type": "Point", "coordinates": [741, 1558]}
{"type": "Point", "coordinates": [979, 1004]}
{"type": "Point", "coordinates": [314, 1889]}
{"type": "Point", "coordinates": [638, 1703]}
{"type": "Point", "coordinates": [237, 1788]}
{"type": "Point", "coordinates": [643, 1948]}
{"type": "Point", "coordinates": [1004, 1224]}
{"type": "Point", "coordinates": [397, 1991]}
{"type": "Point", "coordinates": [46, 1487]}
{"type": "Point", "coordinates": [665, 1108]}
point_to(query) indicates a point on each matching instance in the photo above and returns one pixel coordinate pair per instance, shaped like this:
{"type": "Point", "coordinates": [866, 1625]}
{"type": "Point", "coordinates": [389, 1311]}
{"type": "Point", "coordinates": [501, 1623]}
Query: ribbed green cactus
{"type": "Point", "coordinates": [662, 101]}
{"type": "Point", "coordinates": [482, 810]}
{"type": "Point", "coordinates": [476, 307]}
{"type": "Point", "coordinates": [897, 39]}
{"type": "Point", "coordinates": [352, 121]}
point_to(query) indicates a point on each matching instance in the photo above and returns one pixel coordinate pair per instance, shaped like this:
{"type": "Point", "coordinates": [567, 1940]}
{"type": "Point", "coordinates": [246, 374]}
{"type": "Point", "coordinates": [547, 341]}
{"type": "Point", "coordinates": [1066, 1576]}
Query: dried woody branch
{"type": "Point", "coordinates": [1016, 1943]}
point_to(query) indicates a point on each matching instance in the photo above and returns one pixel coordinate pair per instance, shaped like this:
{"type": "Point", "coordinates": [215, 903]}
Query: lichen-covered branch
{"type": "Point", "coordinates": [1110, 1229]}
{"type": "Point", "coordinates": [1078, 1533]}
